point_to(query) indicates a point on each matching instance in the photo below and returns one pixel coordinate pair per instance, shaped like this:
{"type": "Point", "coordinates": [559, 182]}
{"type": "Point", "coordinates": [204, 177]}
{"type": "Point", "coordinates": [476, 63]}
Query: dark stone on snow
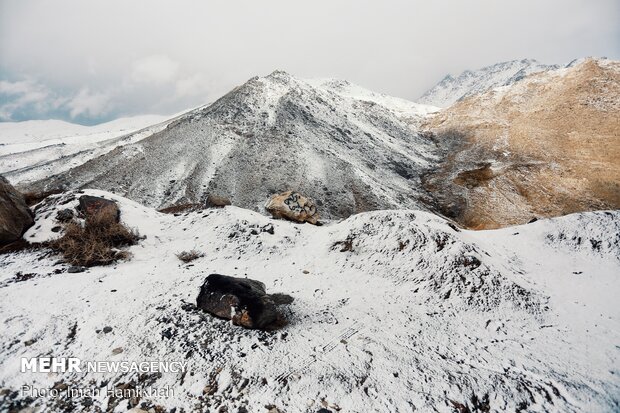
{"type": "Point", "coordinates": [76, 269]}
{"type": "Point", "coordinates": [91, 205]}
{"type": "Point", "coordinates": [214, 201]}
{"type": "Point", "coordinates": [242, 300]}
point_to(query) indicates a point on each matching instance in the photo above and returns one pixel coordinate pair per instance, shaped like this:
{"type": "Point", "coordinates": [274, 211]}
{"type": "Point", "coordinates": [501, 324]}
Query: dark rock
{"type": "Point", "coordinates": [76, 269]}
{"type": "Point", "coordinates": [242, 300]}
{"type": "Point", "coordinates": [532, 220]}
{"type": "Point", "coordinates": [214, 201]}
{"type": "Point", "coordinates": [323, 410]}
{"type": "Point", "coordinates": [107, 329]}
{"type": "Point", "coordinates": [64, 215]}
{"type": "Point", "coordinates": [91, 205]}
{"type": "Point", "coordinates": [57, 228]}
{"type": "Point", "coordinates": [268, 229]}
{"type": "Point", "coordinates": [15, 216]}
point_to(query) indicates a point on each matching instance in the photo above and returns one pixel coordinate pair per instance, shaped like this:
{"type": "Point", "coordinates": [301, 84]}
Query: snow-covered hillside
{"type": "Point", "coordinates": [451, 89]}
{"type": "Point", "coordinates": [352, 149]}
{"type": "Point", "coordinates": [413, 314]}
{"type": "Point", "coordinates": [37, 149]}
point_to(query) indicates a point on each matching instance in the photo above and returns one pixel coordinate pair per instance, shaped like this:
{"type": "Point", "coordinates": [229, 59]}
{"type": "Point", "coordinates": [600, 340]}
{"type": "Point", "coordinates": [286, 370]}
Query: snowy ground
{"type": "Point", "coordinates": [415, 315]}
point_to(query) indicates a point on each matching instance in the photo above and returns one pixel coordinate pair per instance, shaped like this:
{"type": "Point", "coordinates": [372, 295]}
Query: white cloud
{"type": "Point", "coordinates": [157, 69]}
{"type": "Point", "coordinates": [156, 56]}
{"type": "Point", "coordinates": [89, 103]}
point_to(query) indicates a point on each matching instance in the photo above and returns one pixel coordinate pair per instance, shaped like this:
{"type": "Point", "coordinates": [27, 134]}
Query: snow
{"type": "Point", "coordinates": [416, 313]}
{"type": "Point", "coordinates": [33, 150]}
{"type": "Point", "coordinates": [450, 89]}
{"type": "Point", "coordinates": [333, 141]}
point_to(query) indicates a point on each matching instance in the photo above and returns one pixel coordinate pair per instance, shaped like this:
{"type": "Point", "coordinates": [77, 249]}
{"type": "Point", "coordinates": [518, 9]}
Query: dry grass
{"type": "Point", "coordinates": [33, 198]}
{"type": "Point", "coordinates": [189, 256]}
{"type": "Point", "coordinates": [96, 242]}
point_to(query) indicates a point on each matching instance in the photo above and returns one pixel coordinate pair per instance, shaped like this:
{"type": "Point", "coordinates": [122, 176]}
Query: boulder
{"type": "Point", "coordinates": [15, 216]}
{"type": "Point", "coordinates": [242, 300]}
{"type": "Point", "coordinates": [293, 206]}
{"type": "Point", "coordinates": [91, 205]}
{"type": "Point", "coordinates": [214, 201]}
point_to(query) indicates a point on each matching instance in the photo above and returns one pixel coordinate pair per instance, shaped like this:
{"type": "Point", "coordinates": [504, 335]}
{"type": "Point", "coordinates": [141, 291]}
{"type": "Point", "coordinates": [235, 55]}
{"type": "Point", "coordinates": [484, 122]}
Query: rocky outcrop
{"type": "Point", "coordinates": [15, 216]}
{"type": "Point", "coordinates": [91, 205]}
{"type": "Point", "coordinates": [293, 206]}
{"type": "Point", "coordinates": [242, 300]}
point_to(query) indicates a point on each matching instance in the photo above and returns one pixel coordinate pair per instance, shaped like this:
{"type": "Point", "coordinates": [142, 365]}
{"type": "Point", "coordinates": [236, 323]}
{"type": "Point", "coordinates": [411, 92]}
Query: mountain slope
{"type": "Point", "coordinates": [451, 89]}
{"type": "Point", "coordinates": [548, 145]}
{"type": "Point", "coordinates": [414, 315]}
{"type": "Point", "coordinates": [34, 150]}
{"type": "Point", "coordinates": [350, 149]}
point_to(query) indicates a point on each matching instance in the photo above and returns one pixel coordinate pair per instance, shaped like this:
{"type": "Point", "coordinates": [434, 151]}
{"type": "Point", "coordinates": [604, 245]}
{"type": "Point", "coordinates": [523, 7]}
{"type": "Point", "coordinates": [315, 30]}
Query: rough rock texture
{"type": "Point", "coordinates": [15, 216]}
{"type": "Point", "coordinates": [293, 206]}
{"type": "Point", "coordinates": [546, 146]}
{"type": "Point", "coordinates": [90, 205]}
{"type": "Point", "coordinates": [214, 201]}
{"type": "Point", "coordinates": [242, 300]}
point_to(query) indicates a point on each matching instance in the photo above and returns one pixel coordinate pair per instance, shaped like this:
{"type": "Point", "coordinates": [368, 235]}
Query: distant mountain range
{"type": "Point", "coordinates": [470, 82]}
{"type": "Point", "coordinates": [525, 148]}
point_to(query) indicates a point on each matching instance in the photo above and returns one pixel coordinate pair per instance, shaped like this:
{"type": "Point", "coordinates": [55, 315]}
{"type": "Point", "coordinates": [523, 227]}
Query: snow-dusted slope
{"type": "Point", "coordinates": [34, 150]}
{"type": "Point", "coordinates": [351, 149]}
{"type": "Point", "coordinates": [451, 89]}
{"type": "Point", "coordinates": [414, 315]}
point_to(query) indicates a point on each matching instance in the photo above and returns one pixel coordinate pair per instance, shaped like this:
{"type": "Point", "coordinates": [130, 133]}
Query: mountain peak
{"type": "Point", "coordinates": [451, 89]}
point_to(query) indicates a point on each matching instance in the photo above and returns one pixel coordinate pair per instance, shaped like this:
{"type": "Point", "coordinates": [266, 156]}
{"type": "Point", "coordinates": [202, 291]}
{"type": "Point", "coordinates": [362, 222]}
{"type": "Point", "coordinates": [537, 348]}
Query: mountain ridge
{"type": "Point", "coordinates": [469, 82]}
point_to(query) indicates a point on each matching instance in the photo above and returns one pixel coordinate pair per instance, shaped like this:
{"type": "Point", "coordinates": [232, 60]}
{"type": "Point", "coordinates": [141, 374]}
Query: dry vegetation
{"type": "Point", "coordinates": [189, 256]}
{"type": "Point", "coordinates": [97, 242]}
{"type": "Point", "coordinates": [33, 198]}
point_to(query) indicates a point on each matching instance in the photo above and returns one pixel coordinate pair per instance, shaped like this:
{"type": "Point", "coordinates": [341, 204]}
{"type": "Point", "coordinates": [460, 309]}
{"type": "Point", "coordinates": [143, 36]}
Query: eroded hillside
{"type": "Point", "coordinates": [546, 146]}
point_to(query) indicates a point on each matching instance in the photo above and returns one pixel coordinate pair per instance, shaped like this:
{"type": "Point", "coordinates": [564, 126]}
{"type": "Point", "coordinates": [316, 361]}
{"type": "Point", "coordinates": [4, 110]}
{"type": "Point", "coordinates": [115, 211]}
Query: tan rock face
{"type": "Point", "coordinates": [546, 146]}
{"type": "Point", "coordinates": [15, 216]}
{"type": "Point", "coordinates": [291, 205]}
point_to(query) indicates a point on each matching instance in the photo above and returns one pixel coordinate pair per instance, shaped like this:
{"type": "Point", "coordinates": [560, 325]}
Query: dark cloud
{"type": "Point", "coordinates": [95, 60]}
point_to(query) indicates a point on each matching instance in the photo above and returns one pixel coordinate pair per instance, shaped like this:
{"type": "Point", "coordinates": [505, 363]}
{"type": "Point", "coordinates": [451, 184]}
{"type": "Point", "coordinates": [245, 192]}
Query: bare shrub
{"type": "Point", "coordinates": [33, 198]}
{"type": "Point", "coordinates": [96, 242]}
{"type": "Point", "coordinates": [189, 256]}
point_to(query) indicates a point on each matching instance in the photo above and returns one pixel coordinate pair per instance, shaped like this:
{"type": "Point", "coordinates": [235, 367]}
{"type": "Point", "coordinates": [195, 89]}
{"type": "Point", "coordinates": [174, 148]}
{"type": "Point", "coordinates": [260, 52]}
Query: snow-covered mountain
{"type": "Point", "coordinates": [351, 149]}
{"type": "Point", "coordinates": [451, 89]}
{"type": "Point", "coordinates": [413, 315]}
{"type": "Point", "coordinates": [33, 150]}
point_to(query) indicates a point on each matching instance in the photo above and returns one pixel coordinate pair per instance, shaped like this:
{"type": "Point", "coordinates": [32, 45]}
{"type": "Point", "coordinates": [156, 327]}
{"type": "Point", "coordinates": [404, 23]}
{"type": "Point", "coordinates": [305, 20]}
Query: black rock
{"type": "Point", "coordinates": [91, 205]}
{"type": "Point", "coordinates": [76, 269]}
{"type": "Point", "coordinates": [64, 215]}
{"type": "Point", "coordinates": [107, 329]}
{"type": "Point", "coordinates": [242, 300]}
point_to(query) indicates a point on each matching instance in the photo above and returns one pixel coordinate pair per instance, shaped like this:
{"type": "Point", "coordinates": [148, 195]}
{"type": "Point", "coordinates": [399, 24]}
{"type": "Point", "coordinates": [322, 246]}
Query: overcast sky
{"type": "Point", "coordinates": [91, 61]}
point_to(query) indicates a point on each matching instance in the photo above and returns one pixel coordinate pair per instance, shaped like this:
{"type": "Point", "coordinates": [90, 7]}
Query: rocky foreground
{"type": "Point", "coordinates": [391, 311]}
